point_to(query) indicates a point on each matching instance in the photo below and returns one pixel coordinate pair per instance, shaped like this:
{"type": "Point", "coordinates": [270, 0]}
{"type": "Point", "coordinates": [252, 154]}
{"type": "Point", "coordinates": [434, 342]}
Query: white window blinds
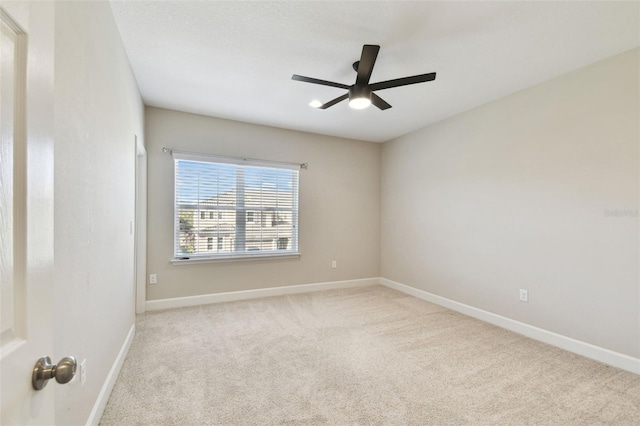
{"type": "Point", "coordinates": [234, 208]}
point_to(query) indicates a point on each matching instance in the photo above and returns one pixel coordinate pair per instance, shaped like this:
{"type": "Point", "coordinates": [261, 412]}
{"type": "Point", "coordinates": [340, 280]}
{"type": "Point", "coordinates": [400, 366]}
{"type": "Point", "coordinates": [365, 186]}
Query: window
{"type": "Point", "coordinates": [239, 195]}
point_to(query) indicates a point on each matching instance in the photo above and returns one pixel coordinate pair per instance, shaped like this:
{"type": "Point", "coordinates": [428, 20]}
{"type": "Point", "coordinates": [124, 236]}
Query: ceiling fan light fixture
{"type": "Point", "coordinates": [359, 97]}
{"type": "Point", "coordinates": [359, 103]}
{"type": "Point", "coordinates": [315, 103]}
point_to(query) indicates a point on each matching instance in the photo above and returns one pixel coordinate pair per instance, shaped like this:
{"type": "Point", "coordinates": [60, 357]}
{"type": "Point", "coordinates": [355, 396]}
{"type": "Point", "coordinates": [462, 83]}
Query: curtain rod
{"type": "Point", "coordinates": [171, 151]}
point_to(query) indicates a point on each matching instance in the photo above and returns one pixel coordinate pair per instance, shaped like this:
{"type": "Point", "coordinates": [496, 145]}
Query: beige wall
{"type": "Point", "coordinates": [515, 194]}
{"type": "Point", "coordinates": [97, 113]}
{"type": "Point", "coordinates": [339, 205]}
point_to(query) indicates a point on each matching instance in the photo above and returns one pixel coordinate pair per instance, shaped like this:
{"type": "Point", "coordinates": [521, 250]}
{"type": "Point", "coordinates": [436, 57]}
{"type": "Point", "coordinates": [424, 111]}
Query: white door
{"type": "Point", "coordinates": [26, 209]}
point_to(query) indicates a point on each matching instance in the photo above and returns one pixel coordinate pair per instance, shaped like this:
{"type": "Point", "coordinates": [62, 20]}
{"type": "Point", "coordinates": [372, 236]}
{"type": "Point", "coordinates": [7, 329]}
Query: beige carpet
{"type": "Point", "coordinates": [369, 356]}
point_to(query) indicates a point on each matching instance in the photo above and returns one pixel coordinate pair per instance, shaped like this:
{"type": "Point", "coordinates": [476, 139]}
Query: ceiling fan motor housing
{"type": "Point", "coordinates": [358, 92]}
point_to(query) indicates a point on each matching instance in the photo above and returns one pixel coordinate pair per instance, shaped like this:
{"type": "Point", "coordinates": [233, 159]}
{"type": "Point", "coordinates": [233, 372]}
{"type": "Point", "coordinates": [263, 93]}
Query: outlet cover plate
{"type": "Point", "coordinates": [524, 295]}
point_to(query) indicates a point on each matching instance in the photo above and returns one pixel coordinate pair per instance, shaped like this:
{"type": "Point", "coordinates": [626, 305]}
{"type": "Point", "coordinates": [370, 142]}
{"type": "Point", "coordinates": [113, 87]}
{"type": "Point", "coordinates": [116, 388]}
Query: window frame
{"type": "Point", "coordinates": [240, 211]}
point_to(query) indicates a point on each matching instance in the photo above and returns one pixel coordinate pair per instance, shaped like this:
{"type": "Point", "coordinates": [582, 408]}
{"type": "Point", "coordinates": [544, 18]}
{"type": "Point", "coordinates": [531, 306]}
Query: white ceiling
{"type": "Point", "coordinates": [234, 60]}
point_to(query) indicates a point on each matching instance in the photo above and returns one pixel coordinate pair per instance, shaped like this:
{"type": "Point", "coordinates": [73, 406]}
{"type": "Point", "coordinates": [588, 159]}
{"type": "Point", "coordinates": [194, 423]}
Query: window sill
{"type": "Point", "coordinates": [236, 258]}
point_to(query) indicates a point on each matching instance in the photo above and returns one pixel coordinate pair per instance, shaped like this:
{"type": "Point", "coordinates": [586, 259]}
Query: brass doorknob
{"type": "Point", "coordinates": [63, 371]}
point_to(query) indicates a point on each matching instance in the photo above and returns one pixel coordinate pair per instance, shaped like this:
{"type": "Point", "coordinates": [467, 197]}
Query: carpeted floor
{"type": "Point", "coordinates": [368, 356]}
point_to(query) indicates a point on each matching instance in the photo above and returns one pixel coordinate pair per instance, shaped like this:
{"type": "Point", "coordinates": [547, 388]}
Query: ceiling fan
{"type": "Point", "coordinates": [361, 93]}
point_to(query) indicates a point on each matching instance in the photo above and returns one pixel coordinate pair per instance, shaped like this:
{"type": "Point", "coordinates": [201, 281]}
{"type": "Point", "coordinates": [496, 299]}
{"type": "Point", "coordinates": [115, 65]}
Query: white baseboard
{"type": "Point", "coordinates": [107, 387]}
{"type": "Point", "coordinates": [588, 350]}
{"type": "Point", "coordinates": [205, 299]}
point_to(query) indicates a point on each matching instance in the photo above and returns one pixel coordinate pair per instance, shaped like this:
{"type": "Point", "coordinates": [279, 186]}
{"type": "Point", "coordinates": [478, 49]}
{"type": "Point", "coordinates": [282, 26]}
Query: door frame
{"type": "Point", "coordinates": [140, 226]}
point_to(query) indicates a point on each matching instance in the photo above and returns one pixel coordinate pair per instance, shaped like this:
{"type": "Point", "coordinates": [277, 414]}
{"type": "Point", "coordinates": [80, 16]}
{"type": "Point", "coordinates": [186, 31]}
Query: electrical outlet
{"type": "Point", "coordinates": [334, 264]}
{"type": "Point", "coordinates": [153, 279]}
{"type": "Point", "coordinates": [524, 295]}
{"type": "Point", "coordinates": [83, 371]}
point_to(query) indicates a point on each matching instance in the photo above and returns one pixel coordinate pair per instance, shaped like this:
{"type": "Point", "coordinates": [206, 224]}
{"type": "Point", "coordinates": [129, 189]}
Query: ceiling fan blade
{"type": "Point", "coordinates": [403, 81]}
{"type": "Point", "coordinates": [365, 66]}
{"type": "Point", "coordinates": [335, 101]}
{"type": "Point", "coordinates": [379, 102]}
{"type": "Point", "coordinates": [317, 81]}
